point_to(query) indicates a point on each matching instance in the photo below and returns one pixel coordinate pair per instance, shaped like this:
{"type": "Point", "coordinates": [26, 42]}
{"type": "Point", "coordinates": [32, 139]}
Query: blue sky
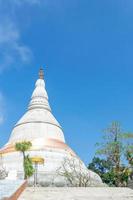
{"type": "Point", "coordinates": [88, 48]}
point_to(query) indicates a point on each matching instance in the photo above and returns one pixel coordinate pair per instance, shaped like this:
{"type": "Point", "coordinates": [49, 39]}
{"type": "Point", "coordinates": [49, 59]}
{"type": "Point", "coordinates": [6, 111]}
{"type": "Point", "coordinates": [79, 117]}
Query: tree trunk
{"type": "Point", "coordinates": [24, 165]}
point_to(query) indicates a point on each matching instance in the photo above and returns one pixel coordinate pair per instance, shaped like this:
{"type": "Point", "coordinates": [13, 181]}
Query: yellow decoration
{"type": "Point", "coordinates": [37, 160]}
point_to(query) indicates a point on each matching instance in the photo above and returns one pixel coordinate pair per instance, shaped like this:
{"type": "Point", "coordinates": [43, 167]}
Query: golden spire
{"type": "Point", "coordinates": [41, 73]}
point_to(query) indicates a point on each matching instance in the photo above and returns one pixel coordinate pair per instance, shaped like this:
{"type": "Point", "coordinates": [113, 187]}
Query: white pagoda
{"type": "Point", "coordinates": [39, 126]}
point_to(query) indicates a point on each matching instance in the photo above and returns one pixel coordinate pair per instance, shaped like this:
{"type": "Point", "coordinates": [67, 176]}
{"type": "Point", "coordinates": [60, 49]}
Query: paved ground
{"type": "Point", "coordinates": [8, 187]}
{"type": "Point", "coordinates": [77, 194]}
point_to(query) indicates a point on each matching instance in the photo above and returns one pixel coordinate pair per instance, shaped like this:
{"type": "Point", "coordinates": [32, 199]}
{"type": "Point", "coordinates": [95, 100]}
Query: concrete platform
{"type": "Point", "coordinates": [106, 193]}
{"type": "Point", "coordinates": [11, 189]}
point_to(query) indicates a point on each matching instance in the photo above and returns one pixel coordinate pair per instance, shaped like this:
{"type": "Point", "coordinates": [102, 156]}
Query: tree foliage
{"type": "Point", "coordinates": [114, 148]}
{"type": "Point", "coordinates": [29, 170]}
{"type": "Point", "coordinates": [23, 146]}
{"type": "Point", "coordinates": [103, 168]}
{"type": "Point", "coordinates": [27, 163]}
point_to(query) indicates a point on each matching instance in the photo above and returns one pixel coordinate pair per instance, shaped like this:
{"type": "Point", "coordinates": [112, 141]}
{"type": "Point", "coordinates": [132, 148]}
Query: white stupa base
{"type": "Point", "coordinates": [49, 172]}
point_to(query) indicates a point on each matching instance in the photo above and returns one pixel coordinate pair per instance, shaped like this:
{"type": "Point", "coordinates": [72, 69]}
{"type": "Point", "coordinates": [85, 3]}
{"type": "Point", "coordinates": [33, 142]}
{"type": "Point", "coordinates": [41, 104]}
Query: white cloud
{"type": "Point", "coordinates": [32, 2]}
{"type": "Point", "coordinates": [1, 119]}
{"type": "Point", "coordinates": [13, 52]}
{"type": "Point", "coordinates": [11, 49]}
{"type": "Point", "coordinates": [2, 109]}
{"type": "Point", "coordinates": [8, 32]}
{"type": "Point", "coordinates": [21, 2]}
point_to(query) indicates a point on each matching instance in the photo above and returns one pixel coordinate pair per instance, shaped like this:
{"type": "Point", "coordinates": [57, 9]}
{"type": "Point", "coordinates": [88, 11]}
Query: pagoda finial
{"type": "Point", "coordinates": [41, 73]}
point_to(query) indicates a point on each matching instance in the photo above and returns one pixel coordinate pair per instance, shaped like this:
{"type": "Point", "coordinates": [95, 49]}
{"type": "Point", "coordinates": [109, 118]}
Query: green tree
{"type": "Point", "coordinates": [27, 164]}
{"type": "Point", "coordinates": [129, 154]}
{"type": "Point", "coordinates": [29, 170]}
{"type": "Point", "coordinates": [129, 157]}
{"type": "Point", "coordinates": [104, 169]}
{"type": "Point", "coordinates": [115, 144]}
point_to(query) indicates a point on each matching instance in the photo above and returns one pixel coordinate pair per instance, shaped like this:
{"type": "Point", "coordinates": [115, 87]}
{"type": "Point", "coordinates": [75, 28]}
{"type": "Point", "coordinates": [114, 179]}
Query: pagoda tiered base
{"type": "Point", "coordinates": [48, 174]}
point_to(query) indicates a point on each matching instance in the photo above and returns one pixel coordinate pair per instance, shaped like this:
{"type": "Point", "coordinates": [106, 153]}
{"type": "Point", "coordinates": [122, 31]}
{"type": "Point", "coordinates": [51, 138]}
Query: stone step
{"type": "Point", "coordinates": [43, 193]}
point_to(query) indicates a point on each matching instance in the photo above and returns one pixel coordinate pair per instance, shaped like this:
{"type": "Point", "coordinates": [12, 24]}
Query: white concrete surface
{"type": "Point", "coordinates": [12, 175]}
{"type": "Point", "coordinates": [77, 194]}
{"type": "Point", "coordinates": [9, 187]}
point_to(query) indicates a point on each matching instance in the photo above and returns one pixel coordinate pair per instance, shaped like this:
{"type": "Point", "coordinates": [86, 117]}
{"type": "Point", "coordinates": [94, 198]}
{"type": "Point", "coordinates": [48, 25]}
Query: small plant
{"type": "Point", "coordinates": [72, 169]}
{"type": "Point", "coordinates": [3, 173]}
